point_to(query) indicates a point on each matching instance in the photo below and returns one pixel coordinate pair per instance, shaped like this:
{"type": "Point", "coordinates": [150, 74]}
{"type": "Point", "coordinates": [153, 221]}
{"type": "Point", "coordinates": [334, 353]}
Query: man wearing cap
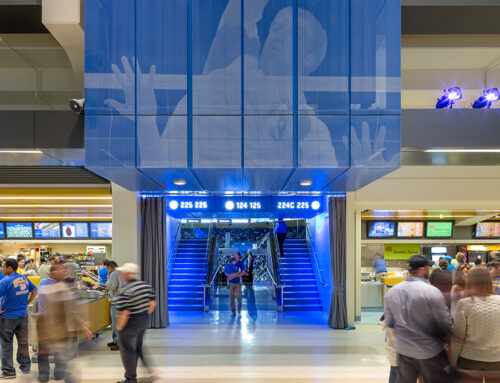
{"type": "Point", "coordinates": [419, 319]}
{"type": "Point", "coordinates": [234, 270]}
{"type": "Point", "coordinates": [135, 302]}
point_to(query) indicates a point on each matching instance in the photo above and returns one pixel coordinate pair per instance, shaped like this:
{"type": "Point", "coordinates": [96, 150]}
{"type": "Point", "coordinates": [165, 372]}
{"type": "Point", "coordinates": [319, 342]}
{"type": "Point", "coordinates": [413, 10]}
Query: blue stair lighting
{"type": "Point", "coordinates": [297, 275]}
{"type": "Point", "coordinates": [185, 288]}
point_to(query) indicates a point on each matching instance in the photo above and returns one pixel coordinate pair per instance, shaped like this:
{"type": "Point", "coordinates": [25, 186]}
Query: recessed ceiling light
{"type": "Point", "coordinates": [21, 151]}
{"type": "Point", "coordinates": [462, 151]}
{"type": "Point", "coordinates": [306, 183]}
{"type": "Point", "coordinates": [179, 182]}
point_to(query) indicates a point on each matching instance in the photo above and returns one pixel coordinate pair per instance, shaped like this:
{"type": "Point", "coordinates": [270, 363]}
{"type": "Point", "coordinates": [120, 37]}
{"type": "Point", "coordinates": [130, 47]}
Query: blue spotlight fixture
{"type": "Point", "coordinates": [489, 97]}
{"type": "Point", "coordinates": [449, 98]}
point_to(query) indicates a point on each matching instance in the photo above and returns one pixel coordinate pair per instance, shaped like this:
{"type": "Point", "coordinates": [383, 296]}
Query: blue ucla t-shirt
{"type": "Point", "coordinates": [14, 292]}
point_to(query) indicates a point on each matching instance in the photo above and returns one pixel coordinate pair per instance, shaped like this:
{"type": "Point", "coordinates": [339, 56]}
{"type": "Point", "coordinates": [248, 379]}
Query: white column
{"type": "Point", "coordinates": [126, 225]}
{"type": "Point", "coordinates": [351, 276]}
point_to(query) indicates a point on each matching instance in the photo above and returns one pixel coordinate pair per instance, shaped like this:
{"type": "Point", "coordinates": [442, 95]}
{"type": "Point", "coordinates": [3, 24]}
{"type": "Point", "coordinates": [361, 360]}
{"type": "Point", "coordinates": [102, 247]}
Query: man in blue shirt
{"type": "Point", "coordinates": [234, 270]}
{"type": "Point", "coordinates": [379, 267]}
{"type": "Point", "coordinates": [16, 293]}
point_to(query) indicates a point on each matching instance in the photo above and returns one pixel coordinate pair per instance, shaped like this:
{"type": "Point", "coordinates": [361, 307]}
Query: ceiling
{"type": "Point", "coordinates": [429, 214]}
{"type": "Point", "coordinates": [87, 204]}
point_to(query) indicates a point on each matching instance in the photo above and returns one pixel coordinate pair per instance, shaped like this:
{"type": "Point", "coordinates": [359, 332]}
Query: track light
{"type": "Point", "coordinates": [489, 97]}
{"type": "Point", "coordinates": [449, 98]}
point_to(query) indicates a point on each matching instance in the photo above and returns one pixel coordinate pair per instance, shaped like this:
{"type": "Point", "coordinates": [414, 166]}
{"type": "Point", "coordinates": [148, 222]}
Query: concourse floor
{"type": "Point", "coordinates": [272, 347]}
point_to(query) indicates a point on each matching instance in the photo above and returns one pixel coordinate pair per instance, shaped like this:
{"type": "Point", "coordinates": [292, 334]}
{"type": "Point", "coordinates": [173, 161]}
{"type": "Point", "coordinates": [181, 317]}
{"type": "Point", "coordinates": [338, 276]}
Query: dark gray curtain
{"type": "Point", "coordinates": [154, 255]}
{"type": "Point", "coordinates": [338, 309]}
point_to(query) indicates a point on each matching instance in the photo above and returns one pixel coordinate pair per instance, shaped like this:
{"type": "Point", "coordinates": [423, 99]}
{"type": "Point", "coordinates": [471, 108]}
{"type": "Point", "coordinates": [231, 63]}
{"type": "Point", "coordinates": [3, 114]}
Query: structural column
{"type": "Point", "coordinates": [126, 225]}
{"type": "Point", "coordinates": [350, 259]}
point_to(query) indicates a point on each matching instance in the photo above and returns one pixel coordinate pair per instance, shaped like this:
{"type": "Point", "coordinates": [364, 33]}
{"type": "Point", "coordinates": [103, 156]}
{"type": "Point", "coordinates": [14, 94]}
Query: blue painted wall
{"type": "Point", "coordinates": [242, 94]}
{"type": "Point", "coordinates": [319, 227]}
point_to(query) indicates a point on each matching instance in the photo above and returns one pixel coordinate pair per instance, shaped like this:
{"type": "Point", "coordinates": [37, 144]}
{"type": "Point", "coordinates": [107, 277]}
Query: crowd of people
{"type": "Point", "coordinates": [54, 301]}
{"type": "Point", "coordinates": [441, 323]}
{"type": "Point", "coordinates": [30, 266]}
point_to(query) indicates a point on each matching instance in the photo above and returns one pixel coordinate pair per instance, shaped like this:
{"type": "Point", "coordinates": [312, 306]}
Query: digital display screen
{"type": "Point", "coordinates": [381, 229]}
{"type": "Point", "coordinates": [100, 229]}
{"type": "Point", "coordinates": [410, 229]}
{"type": "Point", "coordinates": [439, 229]}
{"type": "Point", "coordinates": [2, 232]}
{"type": "Point", "coordinates": [298, 205]}
{"type": "Point", "coordinates": [19, 229]}
{"type": "Point", "coordinates": [47, 229]}
{"type": "Point", "coordinates": [75, 230]}
{"type": "Point", "coordinates": [488, 230]}
{"type": "Point", "coordinates": [190, 204]}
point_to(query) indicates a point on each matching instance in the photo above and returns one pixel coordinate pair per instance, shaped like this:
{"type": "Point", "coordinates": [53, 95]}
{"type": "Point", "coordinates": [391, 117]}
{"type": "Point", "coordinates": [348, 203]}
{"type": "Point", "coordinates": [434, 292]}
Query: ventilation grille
{"type": "Point", "coordinates": [48, 175]}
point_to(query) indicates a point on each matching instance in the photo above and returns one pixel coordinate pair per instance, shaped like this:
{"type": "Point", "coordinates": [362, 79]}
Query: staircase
{"type": "Point", "coordinates": [297, 275]}
{"type": "Point", "coordinates": [185, 288]}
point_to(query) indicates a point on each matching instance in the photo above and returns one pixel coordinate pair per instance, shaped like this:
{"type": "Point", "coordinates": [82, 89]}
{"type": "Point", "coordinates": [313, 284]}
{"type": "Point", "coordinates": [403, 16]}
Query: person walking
{"type": "Point", "coordinates": [281, 234]}
{"type": "Point", "coordinates": [420, 322]}
{"type": "Point", "coordinates": [476, 339]}
{"type": "Point", "coordinates": [56, 304]}
{"type": "Point", "coordinates": [113, 286]}
{"type": "Point", "coordinates": [234, 273]}
{"type": "Point", "coordinates": [16, 293]}
{"type": "Point", "coordinates": [44, 270]}
{"type": "Point", "coordinates": [135, 302]}
{"type": "Point", "coordinates": [379, 267]}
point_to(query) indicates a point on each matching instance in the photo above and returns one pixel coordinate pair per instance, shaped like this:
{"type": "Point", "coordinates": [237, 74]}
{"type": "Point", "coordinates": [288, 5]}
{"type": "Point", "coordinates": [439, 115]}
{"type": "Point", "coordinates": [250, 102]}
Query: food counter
{"type": "Point", "coordinates": [371, 294]}
{"type": "Point", "coordinates": [390, 282]}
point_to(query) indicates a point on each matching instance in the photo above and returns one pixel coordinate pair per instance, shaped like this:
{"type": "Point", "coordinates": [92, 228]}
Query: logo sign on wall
{"type": "Point", "coordinates": [401, 250]}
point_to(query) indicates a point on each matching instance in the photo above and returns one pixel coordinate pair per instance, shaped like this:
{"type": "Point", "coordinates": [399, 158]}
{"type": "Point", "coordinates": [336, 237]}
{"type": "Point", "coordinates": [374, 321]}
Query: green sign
{"type": "Point", "coordinates": [401, 250]}
{"type": "Point", "coordinates": [439, 229]}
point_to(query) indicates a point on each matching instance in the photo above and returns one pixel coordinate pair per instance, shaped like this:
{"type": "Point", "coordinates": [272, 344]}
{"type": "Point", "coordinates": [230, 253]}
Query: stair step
{"type": "Point", "coordinates": [185, 301]}
{"type": "Point", "coordinates": [182, 307]}
{"type": "Point", "coordinates": [302, 307]}
{"type": "Point", "coordinates": [187, 282]}
{"type": "Point", "coordinates": [300, 294]}
{"type": "Point", "coordinates": [184, 276]}
{"type": "Point", "coordinates": [185, 294]}
{"type": "Point", "coordinates": [300, 282]}
{"type": "Point", "coordinates": [295, 260]}
{"type": "Point", "coordinates": [302, 301]}
{"type": "Point", "coordinates": [185, 288]}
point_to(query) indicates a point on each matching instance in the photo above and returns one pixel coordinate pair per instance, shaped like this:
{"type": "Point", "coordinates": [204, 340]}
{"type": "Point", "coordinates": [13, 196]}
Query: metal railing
{"type": "Point", "coordinates": [213, 269]}
{"type": "Point", "coordinates": [310, 245]}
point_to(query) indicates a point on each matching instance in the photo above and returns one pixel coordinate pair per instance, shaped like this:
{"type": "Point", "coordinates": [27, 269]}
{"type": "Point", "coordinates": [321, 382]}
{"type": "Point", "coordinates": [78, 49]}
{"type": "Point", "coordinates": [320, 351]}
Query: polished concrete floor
{"type": "Point", "coordinates": [270, 347]}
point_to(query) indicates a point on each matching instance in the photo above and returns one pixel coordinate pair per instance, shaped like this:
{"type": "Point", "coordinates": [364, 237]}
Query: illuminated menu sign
{"type": "Point", "coordinates": [100, 229]}
{"type": "Point", "coordinates": [47, 229]}
{"type": "Point", "coordinates": [19, 229]}
{"type": "Point", "coordinates": [2, 232]}
{"type": "Point", "coordinates": [410, 229]}
{"type": "Point", "coordinates": [75, 230]}
{"type": "Point", "coordinates": [488, 230]}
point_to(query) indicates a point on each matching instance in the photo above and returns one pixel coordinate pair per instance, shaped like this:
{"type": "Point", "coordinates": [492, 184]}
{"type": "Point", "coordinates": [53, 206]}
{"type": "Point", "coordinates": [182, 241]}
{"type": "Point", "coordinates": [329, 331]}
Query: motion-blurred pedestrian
{"type": "Point", "coordinates": [113, 286]}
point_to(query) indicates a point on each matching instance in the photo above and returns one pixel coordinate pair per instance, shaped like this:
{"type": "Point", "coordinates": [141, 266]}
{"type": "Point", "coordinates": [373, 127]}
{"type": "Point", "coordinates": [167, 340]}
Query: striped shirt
{"type": "Point", "coordinates": [135, 297]}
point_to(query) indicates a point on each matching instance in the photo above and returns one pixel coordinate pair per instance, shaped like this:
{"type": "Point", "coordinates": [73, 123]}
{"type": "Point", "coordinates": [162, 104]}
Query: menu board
{"type": "Point", "coordinates": [439, 229]}
{"type": "Point", "coordinates": [2, 231]}
{"type": "Point", "coordinates": [47, 229]}
{"type": "Point", "coordinates": [488, 230]}
{"type": "Point", "coordinates": [75, 230]}
{"type": "Point", "coordinates": [410, 229]}
{"type": "Point", "coordinates": [100, 230]}
{"type": "Point", "coordinates": [381, 229]}
{"type": "Point", "coordinates": [19, 229]}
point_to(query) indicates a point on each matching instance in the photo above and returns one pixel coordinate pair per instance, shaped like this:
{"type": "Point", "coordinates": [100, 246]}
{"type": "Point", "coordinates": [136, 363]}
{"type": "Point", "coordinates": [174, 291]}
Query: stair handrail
{"type": "Point", "coordinates": [273, 256]}
{"type": "Point", "coordinates": [280, 304]}
{"type": "Point", "coordinates": [310, 245]}
{"type": "Point", "coordinates": [207, 248]}
{"type": "Point", "coordinates": [172, 252]}
{"type": "Point", "coordinates": [272, 279]}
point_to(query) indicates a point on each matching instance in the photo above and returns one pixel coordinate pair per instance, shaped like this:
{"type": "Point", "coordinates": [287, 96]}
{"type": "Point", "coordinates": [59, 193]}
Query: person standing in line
{"type": "Point", "coordinates": [70, 263]}
{"type": "Point", "coordinates": [494, 269]}
{"type": "Point", "coordinates": [476, 340]}
{"type": "Point", "coordinates": [31, 270]}
{"type": "Point", "coordinates": [20, 266]}
{"type": "Point", "coordinates": [379, 267]}
{"type": "Point", "coordinates": [113, 285]}
{"type": "Point", "coordinates": [281, 234]}
{"type": "Point", "coordinates": [56, 304]}
{"type": "Point", "coordinates": [442, 278]}
{"type": "Point", "coordinates": [44, 270]}
{"type": "Point", "coordinates": [458, 289]}
{"type": "Point", "coordinates": [16, 293]}
{"type": "Point", "coordinates": [420, 322]}
{"type": "Point", "coordinates": [234, 275]}
{"type": "Point", "coordinates": [136, 301]}
{"type": "Point", "coordinates": [57, 258]}
{"type": "Point", "coordinates": [103, 272]}
{"type": "Point", "coordinates": [478, 262]}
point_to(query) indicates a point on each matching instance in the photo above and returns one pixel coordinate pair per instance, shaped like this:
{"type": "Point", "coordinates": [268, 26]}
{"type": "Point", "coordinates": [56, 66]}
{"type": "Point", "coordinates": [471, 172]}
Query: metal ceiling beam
{"type": "Point", "coordinates": [473, 220]}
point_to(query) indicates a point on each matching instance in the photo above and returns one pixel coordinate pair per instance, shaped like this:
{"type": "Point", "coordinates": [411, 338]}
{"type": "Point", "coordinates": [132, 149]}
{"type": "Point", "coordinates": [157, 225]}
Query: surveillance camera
{"type": "Point", "coordinates": [77, 105]}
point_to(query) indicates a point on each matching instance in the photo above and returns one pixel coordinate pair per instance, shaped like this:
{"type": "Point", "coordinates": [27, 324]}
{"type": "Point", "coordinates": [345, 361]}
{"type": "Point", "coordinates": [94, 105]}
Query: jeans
{"type": "Point", "coordinates": [432, 370]}
{"type": "Point", "coordinates": [8, 328]}
{"type": "Point", "coordinates": [63, 353]}
{"type": "Point", "coordinates": [394, 375]}
{"type": "Point", "coordinates": [130, 339]}
{"type": "Point", "coordinates": [114, 318]}
{"type": "Point", "coordinates": [235, 291]}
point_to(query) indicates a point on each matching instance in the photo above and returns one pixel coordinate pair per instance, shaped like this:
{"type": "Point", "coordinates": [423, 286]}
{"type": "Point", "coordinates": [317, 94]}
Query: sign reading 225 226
{"type": "Point", "coordinates": [174, 205]}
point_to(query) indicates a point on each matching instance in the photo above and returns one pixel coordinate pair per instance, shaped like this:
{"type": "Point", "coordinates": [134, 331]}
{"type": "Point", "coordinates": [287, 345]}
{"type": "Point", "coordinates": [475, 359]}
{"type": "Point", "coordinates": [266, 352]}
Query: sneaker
{"type": "Point", "coordinates": [115, 348]}
{"type": "Point", "coordinates": [25, 372]}
{"type": "Point", "coordinates": [233, 314]}
{"type": "Point", "coordinates": [3, 376]}
{"type": "Point", "coordinates": [111, 344]}
{"type": "Point", "coordinates": [43, 380]}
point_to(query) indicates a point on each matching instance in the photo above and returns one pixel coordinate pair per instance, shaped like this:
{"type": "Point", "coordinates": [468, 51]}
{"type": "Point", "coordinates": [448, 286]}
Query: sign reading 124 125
{"type": "Point", "coordinates": [242, 205]}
